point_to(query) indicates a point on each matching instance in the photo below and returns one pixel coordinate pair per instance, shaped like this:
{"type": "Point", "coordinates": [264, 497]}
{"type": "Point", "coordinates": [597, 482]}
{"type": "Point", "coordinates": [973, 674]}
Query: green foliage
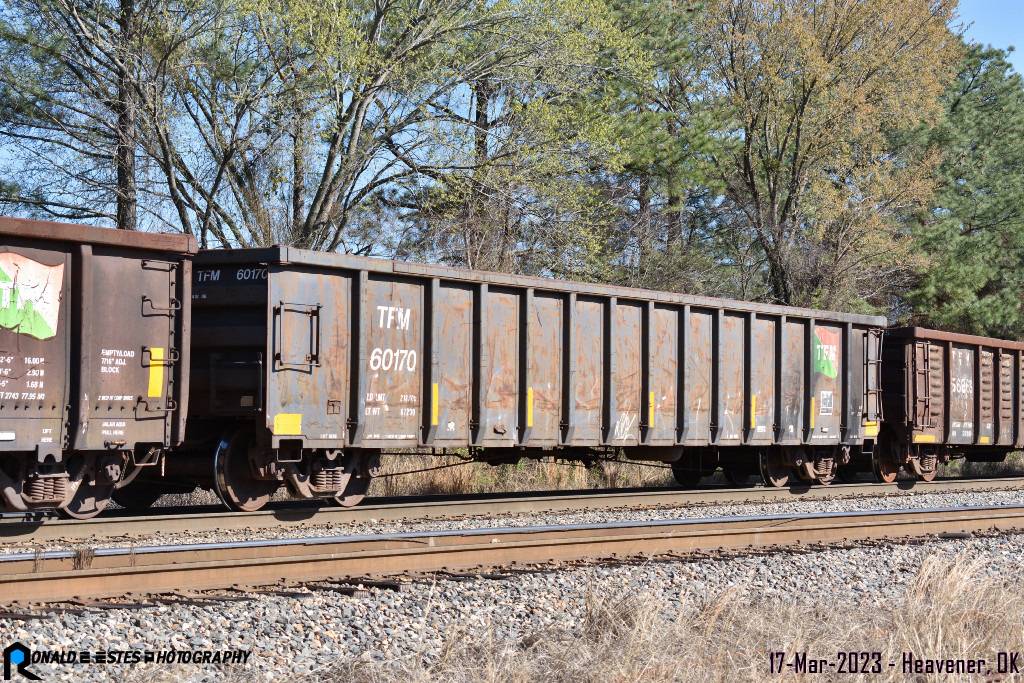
{"type": "Point", "coordinates": [806, 91]}
{"type": "Point", "coordinates": [742, 148]}
{"type": "Point", "coordinates": [973, 238]}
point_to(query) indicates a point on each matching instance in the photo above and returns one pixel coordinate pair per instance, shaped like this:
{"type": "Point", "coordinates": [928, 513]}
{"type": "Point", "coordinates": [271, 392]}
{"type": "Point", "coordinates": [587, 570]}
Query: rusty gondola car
{"type": "Point", "coordinates": [306, 365]}
{"type": "Point", "coordinates": [93, 352]}
{"type": "Point", "coordinates": [948, 395]}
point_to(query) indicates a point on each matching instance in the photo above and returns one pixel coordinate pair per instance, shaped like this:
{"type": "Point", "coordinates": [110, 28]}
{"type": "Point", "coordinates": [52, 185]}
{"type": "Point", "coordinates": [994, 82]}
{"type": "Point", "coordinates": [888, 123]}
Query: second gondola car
{"type": "Point", "coordinates": [307, 365]}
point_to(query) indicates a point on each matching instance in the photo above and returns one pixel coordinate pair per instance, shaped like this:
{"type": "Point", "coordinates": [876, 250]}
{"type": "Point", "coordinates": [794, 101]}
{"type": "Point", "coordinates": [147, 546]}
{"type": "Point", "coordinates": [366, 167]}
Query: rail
{"type": "Point", "coordinates": [26, 527]}
{"type": "Point", "coordinates": [62, 575]}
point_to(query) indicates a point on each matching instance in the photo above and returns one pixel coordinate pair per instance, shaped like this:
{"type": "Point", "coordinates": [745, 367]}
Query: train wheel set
{"type": "Point", "coordinates": [132, 365]}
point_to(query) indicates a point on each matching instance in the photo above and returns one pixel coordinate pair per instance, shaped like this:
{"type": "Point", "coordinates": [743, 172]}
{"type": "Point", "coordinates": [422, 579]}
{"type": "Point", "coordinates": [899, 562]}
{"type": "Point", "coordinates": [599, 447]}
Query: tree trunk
{"type": "Point", "coordinates": [477, 226]}
{"type": "Point", "coordinates": [299, 180]}
{"type": "Point", "coordinates": [124, 154]}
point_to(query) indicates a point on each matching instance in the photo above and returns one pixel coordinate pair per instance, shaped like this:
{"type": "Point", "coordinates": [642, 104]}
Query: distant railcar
{"type": "Point", "coordinates": [948, 395]}
{"type": "Point", "coordinates": [93, 360]}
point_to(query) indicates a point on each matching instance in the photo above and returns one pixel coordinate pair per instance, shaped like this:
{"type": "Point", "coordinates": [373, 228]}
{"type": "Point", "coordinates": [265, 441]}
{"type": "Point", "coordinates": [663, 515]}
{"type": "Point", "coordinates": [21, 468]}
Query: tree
{"type": "Point", "coordinates": [510, 188]}
{"type": "Point", "coordinates": [972, 236]}
{"type": "Point", "coordinates": [368, 98]}
{"type": "Point", "coordinates": [262, 121]}
{"type": "Point", "coordinates": [68, 107]}
{"type": "Point", "coordinates": [810, 88]}
{"type": "Point", "coordinates": [664, 206]}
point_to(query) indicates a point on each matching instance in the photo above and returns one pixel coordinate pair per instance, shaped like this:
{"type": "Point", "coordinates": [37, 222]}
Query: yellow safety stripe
{"type": "Point", "coordinates": [156, 373]}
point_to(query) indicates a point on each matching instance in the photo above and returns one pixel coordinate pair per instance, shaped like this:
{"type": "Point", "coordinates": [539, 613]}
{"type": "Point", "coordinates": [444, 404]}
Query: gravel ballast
{"type": "Point", "coordinates": [294, 635]}
{"type": "Point", "coordinates": [906, 501]}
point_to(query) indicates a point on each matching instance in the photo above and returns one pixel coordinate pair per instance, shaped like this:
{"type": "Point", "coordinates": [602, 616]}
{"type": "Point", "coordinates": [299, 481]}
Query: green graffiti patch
{"type": "Point", "coordinates": [29, 296]}
{"type": "Point", "coordinates": [826, 349]}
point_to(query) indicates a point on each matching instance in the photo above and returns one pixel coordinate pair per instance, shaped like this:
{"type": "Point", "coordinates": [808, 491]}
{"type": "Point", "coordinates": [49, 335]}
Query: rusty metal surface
{"type": "Point", "coordinates": [18, 529]}
{"type": "Point", "coordinates": [664, 376]}
{"type": "Point", "coordinates": [589, 377]}
{"type": "Point", "coordinates": [53, 578]}
{"type": "Point", "coordinates": [761, 403]}
{"type": "Point", "coordinates": [370, 358]}
{"type": "Point", "coordinates": [1005, 391]}
{"type": "Point", "coordinates": [308, 366]}
{"type": "Point", "coordinates": [699, 378]}
{"type": "Point", "coordinates": [546, 335]}
{"type": "Point", "coordinates": [95, 320]}
{"type": "Point", "coordinates": [794, 388]}
{"type": "Point", "coordinates": [626, 379]}
{"type": "Point", "coordinates": [393, 320]}
{"type": "Point", "coordinates": [300, 257]}
{"type": "Point", "coordinates": [84, 234]}
{"type": "Point", "coordinates": [939, 335]}
{"type": "Point", "coordinates": [454, 361]}
{"type": "Point", "coordinates": [499, 369]}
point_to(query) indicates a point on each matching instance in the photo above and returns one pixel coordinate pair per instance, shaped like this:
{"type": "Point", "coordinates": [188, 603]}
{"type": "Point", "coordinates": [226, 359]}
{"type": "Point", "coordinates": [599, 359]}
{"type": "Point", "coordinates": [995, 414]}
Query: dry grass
{"type": "Point", "coordinates": [456, 476]}
{"type": "Point", "coordinates": [450, 475]}
{"type": "Point", "coordinates": [949, 611]}
{"type": "Point", "coordinates": [1012, 466]}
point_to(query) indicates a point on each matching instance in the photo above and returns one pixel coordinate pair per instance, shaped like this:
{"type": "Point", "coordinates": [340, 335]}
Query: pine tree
{"type": "Point", "coordinates": [973, 238]}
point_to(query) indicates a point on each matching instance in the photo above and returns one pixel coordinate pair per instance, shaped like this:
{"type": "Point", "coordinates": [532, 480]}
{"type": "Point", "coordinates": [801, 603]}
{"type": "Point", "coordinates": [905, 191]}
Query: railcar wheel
{"type": "Point", "coordinates": [96, 477]}
{"type": "Point", "coordinates": [774, 469]}
{"type": "Point", "coordinates": [740, 479]}
{"type": "Point", "coordinates": [234, 481]}
{"type": "Point", "coordinates": [89, 500]}
{"type": "Point", "coordinates": [355, 491]}
{"type": "Point", "coordinates": [885, 470]}
{"type": "Point", "coordinates": [687, 478]}
{"type": "Point", "coordinates": [136, 496]}
{"type": "Point", "coordinates": [846, 474]}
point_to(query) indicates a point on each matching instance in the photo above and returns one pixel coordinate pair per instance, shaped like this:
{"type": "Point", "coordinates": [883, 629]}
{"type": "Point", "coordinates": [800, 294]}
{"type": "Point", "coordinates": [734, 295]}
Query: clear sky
{"type": "Point", "coordinates": [999, 23]}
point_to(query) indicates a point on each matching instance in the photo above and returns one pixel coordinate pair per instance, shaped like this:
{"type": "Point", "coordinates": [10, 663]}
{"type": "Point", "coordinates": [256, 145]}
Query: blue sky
{"type": "Point", "coordinates": [996, 22]}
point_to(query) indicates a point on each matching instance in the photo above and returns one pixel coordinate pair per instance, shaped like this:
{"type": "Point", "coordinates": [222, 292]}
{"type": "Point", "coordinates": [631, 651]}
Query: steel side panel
{"type": "Point", "coordinates": [827, 367]}
{"type": "Point", "coordinates": [929, 384]}
{"type": "Point", "coordinates": [664, 375]}
{"type": "Point", "coordinates": [986, 423]}
{"type": "Point", "coordinates": [1004, 396]}
{"type": "Point", "coordinates": [793, 384]}
{"type": "Point", "coordinates": [126, 390]}
{"type": "Point", "coordinates": [308, 398]}
{"type": "Point", "coordinates": [589, 390]}
{"type": "Point", "coordinates": [698, 377]}
{"type": "Point", "coordinates": [35, 288]}
{"type": "Point", "coordinates": [454, 310]}
{"type": "Point", "coordinates": [961, 395]}
{"type": "Point", "coordinates": [1019, 437]}
{"type": "Point", "coordinates": [732, 371]}
{"type": "Point", "coordinates": [858, 400]}
{"type": "Point", "coordinates": [762, 382]}
{"type": "Point", "coordinates": [628, 330]}
{"type": "Point", "coordinates": [394, 355]}
{"type": "Point", "coordinates": [545, 372]}
{"type": "Point", "coordinates": [501, 337]}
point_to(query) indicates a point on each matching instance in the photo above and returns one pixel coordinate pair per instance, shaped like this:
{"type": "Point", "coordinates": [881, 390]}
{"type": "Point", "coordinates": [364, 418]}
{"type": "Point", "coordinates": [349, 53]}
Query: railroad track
{"type": "Point", "coordinates": [58, 576]}
{"type": "Point", "coordinates": [29, 528]}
